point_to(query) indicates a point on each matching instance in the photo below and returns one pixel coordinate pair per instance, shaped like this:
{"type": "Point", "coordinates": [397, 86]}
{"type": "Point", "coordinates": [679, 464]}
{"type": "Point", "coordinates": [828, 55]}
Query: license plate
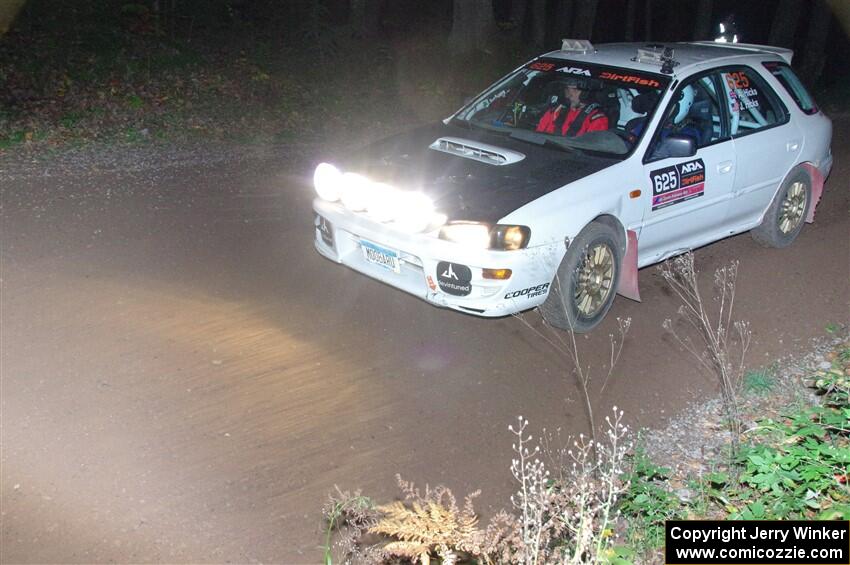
{"type": "Point", "coordinates": [381, 256]}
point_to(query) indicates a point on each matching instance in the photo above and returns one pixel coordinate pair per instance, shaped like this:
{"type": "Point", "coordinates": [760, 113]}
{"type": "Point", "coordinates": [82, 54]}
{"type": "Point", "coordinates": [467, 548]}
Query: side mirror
{"type": "Point", "coordinates": [676, 145]}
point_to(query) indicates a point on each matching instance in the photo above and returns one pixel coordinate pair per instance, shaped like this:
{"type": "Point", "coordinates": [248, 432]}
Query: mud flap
{"type": "Point", "coordinates": [628, 286]}
{"type": "Point", "coordinates": [817, 189]}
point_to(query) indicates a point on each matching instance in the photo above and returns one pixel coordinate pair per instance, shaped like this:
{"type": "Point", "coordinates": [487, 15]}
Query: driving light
{"type": "Point", "coordinates": [355, 191]}
{"type": "Point", "coordinates": [414, 211]}
{"type": "Point", "coordinates": [471, 234]}
{"type": "Point", "coordinates": [327, 180]}
{"type": "Point", "coordinates": [382, 202]}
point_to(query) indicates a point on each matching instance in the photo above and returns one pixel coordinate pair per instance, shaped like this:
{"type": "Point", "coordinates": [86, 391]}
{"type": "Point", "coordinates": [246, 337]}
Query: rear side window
{"type": "Point", "coordinates": [792, 84]}
{"type": "Point", "coordinates": [752, 105]}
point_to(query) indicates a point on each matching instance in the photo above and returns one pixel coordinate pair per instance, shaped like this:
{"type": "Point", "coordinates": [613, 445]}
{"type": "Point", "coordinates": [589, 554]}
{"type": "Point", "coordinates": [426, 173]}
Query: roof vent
{"type": "Point", "coordinates": [476, 151]}
{"type": "Point", "coordinates": [576, 45]}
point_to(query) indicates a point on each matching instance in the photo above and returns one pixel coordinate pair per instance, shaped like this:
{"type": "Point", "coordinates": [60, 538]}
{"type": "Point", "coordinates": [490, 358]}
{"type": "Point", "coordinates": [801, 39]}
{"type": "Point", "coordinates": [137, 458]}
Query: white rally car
{"type": "Point", "coordinates": [495, 210]}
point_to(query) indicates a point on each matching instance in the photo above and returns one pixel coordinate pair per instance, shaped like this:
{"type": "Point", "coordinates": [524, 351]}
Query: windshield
{"type": "Point", "coordinates": [568, 104]}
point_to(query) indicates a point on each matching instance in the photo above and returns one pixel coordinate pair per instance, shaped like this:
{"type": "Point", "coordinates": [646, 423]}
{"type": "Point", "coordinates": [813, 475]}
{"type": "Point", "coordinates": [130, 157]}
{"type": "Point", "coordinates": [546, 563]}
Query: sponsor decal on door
{"type": "Point", "coordinates": [677, 183]}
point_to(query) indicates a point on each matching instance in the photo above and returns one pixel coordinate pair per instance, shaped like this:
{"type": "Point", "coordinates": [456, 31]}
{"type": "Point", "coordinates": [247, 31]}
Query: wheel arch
{"type": "Point", "coordinates": [611, 221]}
{"type": "Point", "coordinates": [816, 182]}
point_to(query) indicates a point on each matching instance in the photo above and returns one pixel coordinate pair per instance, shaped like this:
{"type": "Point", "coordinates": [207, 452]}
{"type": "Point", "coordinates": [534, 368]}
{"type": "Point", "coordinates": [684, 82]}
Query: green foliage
{"type": "Point", "coordinates": [801, 472]}
{"type": "Point", "coordinates": [648, 503]}
{"type": "Point", "coordinates": [14, 138]}
{"type": "Point", "coordinates": [619, 555]}
{"type": "Point", "coordinates": [70, 119]}
{"type": "Point", "coordinates": [135, 101]}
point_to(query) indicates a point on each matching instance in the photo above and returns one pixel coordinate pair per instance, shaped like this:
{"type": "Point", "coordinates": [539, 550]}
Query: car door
{"type": "Point", "coordinates": [766, 143]}
{"type": "Point", "coordinates": [688, 197]}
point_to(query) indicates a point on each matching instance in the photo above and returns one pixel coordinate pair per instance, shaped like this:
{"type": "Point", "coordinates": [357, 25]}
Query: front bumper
{"type": "Point", "coordinates": [419, 255]}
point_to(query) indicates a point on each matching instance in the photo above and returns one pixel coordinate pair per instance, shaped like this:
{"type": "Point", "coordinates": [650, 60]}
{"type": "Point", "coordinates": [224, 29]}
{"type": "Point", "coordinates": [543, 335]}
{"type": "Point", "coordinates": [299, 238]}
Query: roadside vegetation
{"type": "Point", "coordinates": [781, 450]}
{"type": "Point", "coordinates": [81, 72]}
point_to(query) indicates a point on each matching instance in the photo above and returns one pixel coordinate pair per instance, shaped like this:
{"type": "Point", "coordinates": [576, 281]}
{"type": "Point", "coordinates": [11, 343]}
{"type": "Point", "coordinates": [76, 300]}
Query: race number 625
{"type": "Point", "coordinates": [665, 182]}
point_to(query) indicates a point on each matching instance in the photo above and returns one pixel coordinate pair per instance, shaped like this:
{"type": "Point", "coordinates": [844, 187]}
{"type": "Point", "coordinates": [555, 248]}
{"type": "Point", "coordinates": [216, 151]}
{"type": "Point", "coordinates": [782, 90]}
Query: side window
{"type": "Point", "coordinates": [694, 112]}
{"type": "Point", "coordinates": [789, 81]}
{"type": "Point", "coordinates": [752, 104]}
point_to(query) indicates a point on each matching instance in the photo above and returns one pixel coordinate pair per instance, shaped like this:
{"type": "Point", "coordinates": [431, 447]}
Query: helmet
{"type": "Point", "coordinates": [575, 82]}
{"type": "Point", "coordinates": [683, 106]}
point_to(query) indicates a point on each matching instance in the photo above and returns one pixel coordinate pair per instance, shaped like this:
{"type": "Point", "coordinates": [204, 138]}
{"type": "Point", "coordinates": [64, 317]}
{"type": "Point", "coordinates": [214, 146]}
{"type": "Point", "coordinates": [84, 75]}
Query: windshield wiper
{"type": "Point", "coordinates": [550, 142]}
{"type": "Point", "coordinates": [544, 140]}
{"type": "Point", "coordinates": [484, 127]}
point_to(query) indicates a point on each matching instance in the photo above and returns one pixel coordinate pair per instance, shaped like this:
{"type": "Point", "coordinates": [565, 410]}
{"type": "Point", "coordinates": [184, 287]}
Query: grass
{"type": "Point", "coordinates": [761, 381]}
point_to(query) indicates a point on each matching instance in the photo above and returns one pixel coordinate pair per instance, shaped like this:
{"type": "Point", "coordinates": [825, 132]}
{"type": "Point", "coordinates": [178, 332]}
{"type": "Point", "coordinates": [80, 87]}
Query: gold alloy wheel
{"type": "Point", "coordinates": [595, 280]}
{"type": "Point", "coordinates": [793, 206]}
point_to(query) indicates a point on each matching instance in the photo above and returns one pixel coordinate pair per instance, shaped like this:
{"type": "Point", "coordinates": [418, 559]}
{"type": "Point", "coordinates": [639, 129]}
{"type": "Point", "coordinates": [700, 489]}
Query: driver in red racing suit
{"type": "Point", "coordinates": [576, 119]}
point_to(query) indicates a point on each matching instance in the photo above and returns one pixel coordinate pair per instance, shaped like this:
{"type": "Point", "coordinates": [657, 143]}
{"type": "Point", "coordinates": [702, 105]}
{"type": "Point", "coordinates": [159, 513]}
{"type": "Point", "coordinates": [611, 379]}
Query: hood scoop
{"type": "Point", "coordinates": [477, 151]}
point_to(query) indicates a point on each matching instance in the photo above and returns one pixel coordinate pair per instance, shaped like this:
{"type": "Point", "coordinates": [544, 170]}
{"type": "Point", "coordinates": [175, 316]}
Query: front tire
{"type": "Point", "coordinates": [785, 216]}
{"type": "Point", "coordinates": [586, 281]}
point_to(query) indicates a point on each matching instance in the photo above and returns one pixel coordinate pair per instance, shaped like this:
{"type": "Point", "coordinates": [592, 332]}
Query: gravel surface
{"type": "Point", "coordinates": [695, 440]}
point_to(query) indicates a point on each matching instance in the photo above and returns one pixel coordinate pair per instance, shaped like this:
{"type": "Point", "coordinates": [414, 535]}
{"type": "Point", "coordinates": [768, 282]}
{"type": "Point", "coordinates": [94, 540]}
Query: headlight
{"type": "Point", "coordinates": [409, 211]}
{"type": "Point", "coordinates": [485, 236]}
{"type": "Point", "coordinates": [356, 191]}
{"type": "Point", "coordinates": [510, 237]}
{"type": "Point", "coordinates": [328, 182]}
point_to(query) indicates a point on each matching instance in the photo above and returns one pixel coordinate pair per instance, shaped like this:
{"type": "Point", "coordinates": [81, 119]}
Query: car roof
{"type": "Point", "coordinates": [688, 55]}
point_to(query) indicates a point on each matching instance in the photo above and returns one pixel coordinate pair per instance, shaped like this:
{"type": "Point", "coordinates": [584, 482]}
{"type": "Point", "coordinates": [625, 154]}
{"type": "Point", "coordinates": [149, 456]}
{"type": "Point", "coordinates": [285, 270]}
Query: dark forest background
{"type": "Point", "coordinates": [276, 70]}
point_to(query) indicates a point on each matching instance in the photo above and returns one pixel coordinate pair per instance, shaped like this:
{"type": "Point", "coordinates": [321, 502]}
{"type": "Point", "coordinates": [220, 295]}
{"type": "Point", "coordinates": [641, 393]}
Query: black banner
{"type": "Point", "coordinates": [763, 542]}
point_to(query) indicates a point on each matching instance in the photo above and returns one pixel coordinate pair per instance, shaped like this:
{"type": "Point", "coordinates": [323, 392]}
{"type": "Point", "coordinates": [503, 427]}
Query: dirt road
{"type": "Point", "coordinates": [185, 379]}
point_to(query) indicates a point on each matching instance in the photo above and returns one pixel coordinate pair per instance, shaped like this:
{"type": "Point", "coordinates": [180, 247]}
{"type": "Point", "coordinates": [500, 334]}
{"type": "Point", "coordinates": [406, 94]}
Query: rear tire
{"type": "Point", "coordinates": [586, 281]}
{"type": "Point", "coordinates": [785, 216]}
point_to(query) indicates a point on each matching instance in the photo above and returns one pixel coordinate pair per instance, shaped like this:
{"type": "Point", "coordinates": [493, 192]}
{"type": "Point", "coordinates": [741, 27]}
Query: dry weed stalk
{"type": "Point", "coordinates": [568, 349]}
{"type": "Point", "coordinates": [722, 343]}
{"type": "Point", "coordinates": [579, 508]}
{"type": "Point", "coordinates": [351, 515]}
{"type": "Point", "coordinates": [557, 521]}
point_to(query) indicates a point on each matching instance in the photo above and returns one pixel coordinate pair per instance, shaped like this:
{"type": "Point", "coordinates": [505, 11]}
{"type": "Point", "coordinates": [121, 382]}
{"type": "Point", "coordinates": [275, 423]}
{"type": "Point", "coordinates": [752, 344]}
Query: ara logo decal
{"type": "Point", "coordinates": [454, 279]}
{"type": "Point", "coordinates": [692, 166]}
{"type": "Point", "coordinates": [575, 71]}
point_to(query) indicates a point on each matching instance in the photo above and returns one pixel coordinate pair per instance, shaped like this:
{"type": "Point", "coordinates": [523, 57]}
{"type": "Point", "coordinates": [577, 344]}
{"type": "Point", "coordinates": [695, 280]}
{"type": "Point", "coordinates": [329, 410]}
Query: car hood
{"type": "Point", "coordinates": [462, 187]}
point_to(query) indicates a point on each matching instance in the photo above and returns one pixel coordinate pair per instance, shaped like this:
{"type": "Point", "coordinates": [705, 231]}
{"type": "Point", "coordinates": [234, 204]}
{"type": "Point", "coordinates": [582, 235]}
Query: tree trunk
{"type": "Point", "coordinates": [365, 17]}
{"type": "Point", "coordinates": [785, 22]}
{"type": "Point", "coordinates": [816, 37]}
{"type": "Point", "coordinates": [473, 25]}
{"type": "Point", "coordinates": [519, 8]}
{"type": "Point", "coordinates": [631, 11]}
{"type": "Point", "coordinates": [702, 28]}
{"type": "Point", "coordinates": [585, 18]}
{"type": "Point", "coordinates": [8, 12]}
{"type": "Point", "coordinates": [538, 23]}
